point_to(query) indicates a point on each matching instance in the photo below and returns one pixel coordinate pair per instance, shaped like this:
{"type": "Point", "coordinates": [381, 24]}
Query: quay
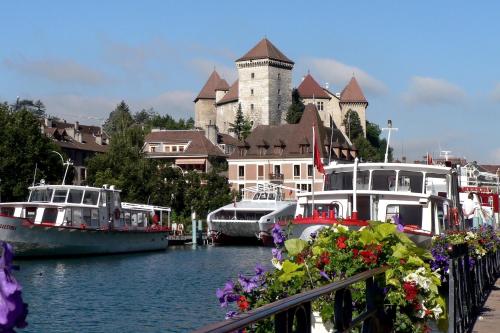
{"type": "Point", "coordinates": [489, 315]}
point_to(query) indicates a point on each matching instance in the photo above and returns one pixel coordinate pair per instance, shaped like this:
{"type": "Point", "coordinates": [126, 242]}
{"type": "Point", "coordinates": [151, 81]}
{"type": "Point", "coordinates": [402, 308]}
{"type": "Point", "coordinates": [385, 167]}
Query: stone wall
{"type": "Point", "coordinates": [226, 114]}
{"type": "Point", "coordinates": [204, 113]}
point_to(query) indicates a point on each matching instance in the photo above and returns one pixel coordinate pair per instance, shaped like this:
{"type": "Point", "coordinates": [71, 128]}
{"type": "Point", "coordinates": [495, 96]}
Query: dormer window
{"type": "Point", "coordinates": [251, 107]}
{"type": "Point", "coordinates": [279, 76]}
{"type": "Point", "coordinates": [320, 106]}
{"type": "Point", "coordinates": [251, 92]}
{"type": "Point", "coordinates": [252, 76]}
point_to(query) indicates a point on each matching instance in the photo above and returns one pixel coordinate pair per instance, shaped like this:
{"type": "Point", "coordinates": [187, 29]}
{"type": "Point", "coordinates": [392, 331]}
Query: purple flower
{"type": "Point", "coordinates": [323, 274]}
{"type": "Point", "coordinates": [278, 235]}
{"type": "Point", "coordinates": [400, 227]}
{"type": "Point", "coordinates": [13, 310]}
{"type": "Point", "coordinates": [277, 254]}
{"type": "Point", "coordinates": [259, 270]}
{"type": "Point", "coordinates": [227, 294]}
{"type": "Point", "coordinates": [231, 314]}
{"type": "Point", "coordinates": [248, 284]}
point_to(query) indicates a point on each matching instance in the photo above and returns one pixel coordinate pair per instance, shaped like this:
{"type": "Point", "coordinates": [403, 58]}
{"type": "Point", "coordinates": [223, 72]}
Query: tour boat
{"type": "Point", "coordinates": [66, 220]}
{"type": "Point", "coordinates": [251, 219]}
{"type": "Point", "coordinates": [422, 199]}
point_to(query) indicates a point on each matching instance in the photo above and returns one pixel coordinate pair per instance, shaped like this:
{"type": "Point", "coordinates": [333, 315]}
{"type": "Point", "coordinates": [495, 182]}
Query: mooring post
{"type": "Point", "coordinates": [193, 228]}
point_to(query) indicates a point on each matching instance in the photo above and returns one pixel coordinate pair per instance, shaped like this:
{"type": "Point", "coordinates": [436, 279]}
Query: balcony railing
{"type": "Point", "coordinates": [276, 177]}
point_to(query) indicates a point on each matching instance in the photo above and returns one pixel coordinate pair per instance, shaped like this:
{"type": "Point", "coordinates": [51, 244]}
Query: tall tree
{"type": "Point", "coordinates": [352, 125]}
{"type": "Point", "coordinates": [119, 119]}
{"type": "Point", "coordinates": [296, 109]}
{"type": "Point", "coordinates": [372, 148]}
{"type": "Point", "coordinates": [241, 127]}
{"type": "Point", "coordinates": [22, 146]}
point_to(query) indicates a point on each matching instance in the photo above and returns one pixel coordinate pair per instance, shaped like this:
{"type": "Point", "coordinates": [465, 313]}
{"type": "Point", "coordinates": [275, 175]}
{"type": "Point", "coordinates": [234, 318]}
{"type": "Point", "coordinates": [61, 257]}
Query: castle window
{"type": "Point", "coordinates": [251, 92]}
{"type": "Point", "coordinates": [252, 76]}
{"type": "Point", "coordinates": [279, 76]}
{"type": "Point", "coordinates": [310, 170]}
{"type": "Point", "coordinates": [241, 171]}
{"type": "Point", "coordinates": [279, 106]}
{"type": "Point", "coordinates": [296, 170]}
{"type": "Point", "coordinates": [279, 91]}
{"type": "Point", "coordinates": [251, 106]}
{"type": "Point", "coordinates": [319, 106]}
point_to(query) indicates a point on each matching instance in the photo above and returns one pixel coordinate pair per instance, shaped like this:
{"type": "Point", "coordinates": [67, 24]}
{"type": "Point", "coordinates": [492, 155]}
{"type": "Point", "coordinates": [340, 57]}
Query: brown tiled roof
{"type": "Point", "coordinates": [232, 94]}
{"type": "Point", "coordinates": [58, 133]}
{"type": "Point", "coordinates": [309, 88]}
{"type": "Point", "coordinates": [228, 139]}
{"type": "Point", "coordinates": [208, 90]}
{"type": "Point", "coordinates": [352, 93]}
{"type": "Point", "coordinates": [491, 168]}
{"type": "Point", "coordinates": [222, 85]}
{"type": "Point", "coordinates": [199, 144]}
{"type": "Point", "coordinates": [265, 50]}
{"type": "Point", "coordinates": [293, 136]}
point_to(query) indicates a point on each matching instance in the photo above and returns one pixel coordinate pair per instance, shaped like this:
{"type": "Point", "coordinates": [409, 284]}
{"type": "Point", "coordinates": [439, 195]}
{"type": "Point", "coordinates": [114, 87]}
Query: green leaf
{"type": "Point", "coordinates": [295, 246]}
{"type": "Point", "coordinates": [367, 236]}
{"type": "Point", "coordinates": [399, 251]}
{"type": "Point", "coordinates": [290, 270]}
{"type": "Point", "coordinates": [385, 229]}
{"type": "Point", "coordinates": [414, 260]}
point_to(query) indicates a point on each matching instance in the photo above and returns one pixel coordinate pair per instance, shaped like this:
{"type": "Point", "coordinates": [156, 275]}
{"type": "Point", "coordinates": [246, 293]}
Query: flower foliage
{"type": "Point", "coordinates": [409, 287]}
{"type": "Point", "coordinates": [13, 310]}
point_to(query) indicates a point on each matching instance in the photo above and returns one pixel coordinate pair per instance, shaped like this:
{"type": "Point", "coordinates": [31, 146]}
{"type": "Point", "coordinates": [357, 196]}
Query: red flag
{"type": "Point", "coordinates": [317, 158]}
{"type": "Point", "coordinates": [429, 158]}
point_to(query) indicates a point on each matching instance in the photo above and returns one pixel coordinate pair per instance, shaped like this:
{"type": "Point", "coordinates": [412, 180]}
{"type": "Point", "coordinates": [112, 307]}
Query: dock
{"type": "Point", "coordinates": [489, 315]}
{"type": "Point", "coordinates": [185, 239]}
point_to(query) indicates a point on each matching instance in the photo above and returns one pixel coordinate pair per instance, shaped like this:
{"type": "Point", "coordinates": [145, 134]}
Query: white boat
{"type": "Point", "coordinates": [423, 199]}
{"type": "Point", "coordinates": [65, 220]}
{"type": "Point", "coordinates": [252, 218]}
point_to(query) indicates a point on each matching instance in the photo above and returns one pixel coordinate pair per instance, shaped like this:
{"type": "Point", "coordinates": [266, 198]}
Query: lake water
{"type": "Point", "coordinates": [171, 291]}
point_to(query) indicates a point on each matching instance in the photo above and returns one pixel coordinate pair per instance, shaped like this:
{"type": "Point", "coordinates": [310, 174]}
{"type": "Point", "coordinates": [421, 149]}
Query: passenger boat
{"type": "Point", "coordinates": [66, 220]}
{"type": "Point", "coordinates": [422, 199]}
{"type": "Point", "coordinates": [251, 219]}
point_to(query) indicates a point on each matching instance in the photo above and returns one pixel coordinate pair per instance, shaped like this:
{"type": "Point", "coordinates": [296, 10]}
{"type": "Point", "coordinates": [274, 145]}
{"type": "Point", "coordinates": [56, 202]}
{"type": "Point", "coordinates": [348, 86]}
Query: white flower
{"type": "Point", "coordinates": [276, 263]}
{"type": "Point", "coordinates": [422, 311]}
{"type": "Point", "coordinates": [470, 235]}
{"type": "Point", "coordinates": [437, 311]}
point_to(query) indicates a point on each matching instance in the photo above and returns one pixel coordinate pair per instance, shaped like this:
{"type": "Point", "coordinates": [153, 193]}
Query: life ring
{"type": "Point", "coordinates": [454, 216]}
{"type": "Point", "coordinates": [117, 214]}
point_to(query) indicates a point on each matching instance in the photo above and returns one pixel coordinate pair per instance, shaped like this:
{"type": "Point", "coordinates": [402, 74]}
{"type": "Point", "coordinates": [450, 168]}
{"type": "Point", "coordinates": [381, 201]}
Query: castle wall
{"type": "Point", "coordinates": [359, 108]}
{"type": "Point", "coordinates": [280, 94]}
{"type": "Point", "coordinates": [204, 113]}
{"type": "Point", "coordinates": [226, 114]}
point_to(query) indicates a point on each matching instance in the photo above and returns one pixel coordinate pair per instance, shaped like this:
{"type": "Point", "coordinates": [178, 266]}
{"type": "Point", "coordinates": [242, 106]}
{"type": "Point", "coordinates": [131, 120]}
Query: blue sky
{"type": "Point", "coordinates": [430, 66]}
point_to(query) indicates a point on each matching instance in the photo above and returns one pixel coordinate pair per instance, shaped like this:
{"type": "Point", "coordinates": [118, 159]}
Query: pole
{"type": "Point", "coordinates": [389, 128]}
{"type": "Point", "coordinates": [312, 187]}
{"type": "Point", "coordinates": [354, 214]}
{"type": "Point", "coordinates": [193, 227]}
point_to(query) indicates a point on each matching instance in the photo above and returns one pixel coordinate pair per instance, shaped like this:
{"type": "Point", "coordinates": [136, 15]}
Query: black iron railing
{"type": "Point", "coordinates": [293, 314]}
{"type": "Point", "coordinates": [468, 286]}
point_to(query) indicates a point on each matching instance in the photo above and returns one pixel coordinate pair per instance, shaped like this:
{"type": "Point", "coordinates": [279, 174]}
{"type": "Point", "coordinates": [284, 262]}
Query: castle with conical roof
{"type": "Point", "coordinates": [264, 91]}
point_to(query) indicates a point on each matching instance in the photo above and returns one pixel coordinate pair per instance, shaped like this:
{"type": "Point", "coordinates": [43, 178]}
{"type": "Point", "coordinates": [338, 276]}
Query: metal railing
{"type": "Point", "coordinates": [468, 286]}
{"type": "Point", "coordinates": [293, 314]}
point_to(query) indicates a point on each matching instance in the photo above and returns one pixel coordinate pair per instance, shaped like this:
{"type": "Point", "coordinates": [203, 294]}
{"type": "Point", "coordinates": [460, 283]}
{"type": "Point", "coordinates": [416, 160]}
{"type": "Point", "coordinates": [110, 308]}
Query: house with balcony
{"type": "Point", "coordinates": [282, 154]}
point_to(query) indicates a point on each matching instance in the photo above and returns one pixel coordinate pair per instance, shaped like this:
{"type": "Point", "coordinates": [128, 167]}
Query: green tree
{"type": "Point", "coordinates": [372, 148]}
{"type": "Point", "coordinates": [119, 119]}
{"type": "Point", "coordinates": [22, 146]}
{"type": "Point", "coordinates": [296, 109]}
{"type": "Point", "coordinates": [241, 127]}
{"type": "Point", "coordinates": [352, 125]}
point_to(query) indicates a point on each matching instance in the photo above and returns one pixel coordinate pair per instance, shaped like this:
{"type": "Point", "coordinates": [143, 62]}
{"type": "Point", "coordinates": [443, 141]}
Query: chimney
{"type": "Point", "coordinates": [327, 85]}
{"type": "Point", "coordinates": [337, 94]}
{"type": "Point", "coordinates": [77, 125]}
{"type": "Point", "coordinates": [48, 122]}
{"type": "Point", "coordinates": [211, 133]}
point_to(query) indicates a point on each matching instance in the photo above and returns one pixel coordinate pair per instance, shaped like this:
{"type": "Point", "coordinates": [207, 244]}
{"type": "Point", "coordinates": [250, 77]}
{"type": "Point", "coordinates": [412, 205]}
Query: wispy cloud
{"type": "Point", "coordinates": [205, 67]}
{"type": "Point", "coordinates": [337, 73]}
{"type": "Point", "coordinates": [57, 70]}
{"type": "Point", "coordinates": [495, 156]}
{"type": "Point", "coordinates": [177, 103]}
{"type": "Point", "coordinates": [495, 94]}
{"type": "Point", "coordinates": [431, 92]}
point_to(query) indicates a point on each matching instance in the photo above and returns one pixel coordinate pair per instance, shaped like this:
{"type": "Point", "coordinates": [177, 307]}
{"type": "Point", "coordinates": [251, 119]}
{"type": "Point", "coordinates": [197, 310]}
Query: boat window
{"type": "Point", "coordinates": [75, 196]}
{"type": "Point", "coordinates": [60, 195]}
{"type": "Point", "coordinates": [410, 181]}
{"type": "Point", "coordinates": [90, 197]}
{"type": "Point", "coordinates": [134, 218]}
{"type": "Point", "coordinates": [86, 216]}
{"type": "Point", "coordinates": [9, 211]}
{"type": "Point", "coordinates": [362, 181]}
{"type": "Point", "coordinates": [140, 218]}
{"type": "Point", "coordinates": [435, 183]}
{"type": "Point", "coordinates": [384, 180]}
{"type": "Point", "coordinates": [41, 195]}
{"type": "Point", "coordinates": [68, 216]}
{"type": "Point", "coordinates": [240, 215]}
{"type": "Point", "coordinates": [30, 212]}
{"type": "Point", "coordinates": [49, 215]}
{"type": "Point", "coordinates": [321, 208]}
{"type": "Point", "coordinates": [405, 214]}
{"type": "Point", "coordinates": [77, 217]}
{"type": "Point", "coordinates": [340, 181]}
{"type": "Point", "coordinates": [271, 196]}
{"type": "Point", "coordinates": [256, 196]}
{"type": "Point", "coordinates": [263, 196]}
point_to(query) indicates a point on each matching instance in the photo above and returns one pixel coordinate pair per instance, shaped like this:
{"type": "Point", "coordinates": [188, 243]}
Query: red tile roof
{"type": "Point", "coordinates": [208, 90]}
{"type": "Point", "coordinates": [352, 93]}
{"type": "Point", "coordinates": [265, 50]}
{"type": "Point", "coordinates": [199, 146]}
{"type": "Point", "coordinates": [232, 94]}
{"type": "Point", "coordinates": [293, 136]}
{"type": "Point", "coordinates": [222, 85]}
{"type": "Point", "coordinates": [309, 88]}
{"type": "Point", "coordinates": [61, 137]}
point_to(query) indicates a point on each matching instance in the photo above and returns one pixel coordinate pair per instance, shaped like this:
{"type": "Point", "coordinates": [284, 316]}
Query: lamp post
{"type": "Point", "coordinates": [67, 164]}
{"type": "Point", "coordinates": [389, 128]}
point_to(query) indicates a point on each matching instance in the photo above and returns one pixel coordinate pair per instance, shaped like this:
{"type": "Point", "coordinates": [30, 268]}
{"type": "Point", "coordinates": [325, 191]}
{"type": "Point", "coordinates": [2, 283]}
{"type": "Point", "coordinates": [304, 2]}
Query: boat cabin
{"type": "Point", "coordinates": [417, 196]}
{"type": "Point", "coordinates": [83, 207]}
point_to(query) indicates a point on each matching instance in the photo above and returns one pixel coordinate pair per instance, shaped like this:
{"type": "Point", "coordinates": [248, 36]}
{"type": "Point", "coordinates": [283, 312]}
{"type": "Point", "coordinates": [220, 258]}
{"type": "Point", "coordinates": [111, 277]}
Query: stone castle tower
{"type": "Point", "coordinates": [265, 84]}
{"type": "Point", "coordinates": [264, 90]}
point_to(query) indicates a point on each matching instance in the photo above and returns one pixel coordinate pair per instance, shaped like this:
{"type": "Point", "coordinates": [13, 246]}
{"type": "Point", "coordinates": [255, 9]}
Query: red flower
{"type": "Point", "coordinates": [355, 253]}
{"type": "Point", "coordinates": [411, 291]}
{"type": "Point", "coordinates": [369, 257]}
{"type": "Point", "coordinates": [243, 303]}
{"type": "Point", "coordinates": [325, 258]}
{"type": "Point", "coordinates": [402, 261]}
{"type": "Point", "coordinates": [341, 242]}
{"type": "Point", "coordinates": [300, 258]}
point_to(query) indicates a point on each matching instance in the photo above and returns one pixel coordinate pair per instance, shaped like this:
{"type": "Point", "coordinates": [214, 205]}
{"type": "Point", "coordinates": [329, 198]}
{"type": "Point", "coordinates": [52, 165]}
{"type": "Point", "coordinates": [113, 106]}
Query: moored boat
{"type": "Point", "coordinates": [251, 219]}
{"type": "Point", "coordinates": [421, 199]}
{"type": "Point", "coordinates": [66, 220]}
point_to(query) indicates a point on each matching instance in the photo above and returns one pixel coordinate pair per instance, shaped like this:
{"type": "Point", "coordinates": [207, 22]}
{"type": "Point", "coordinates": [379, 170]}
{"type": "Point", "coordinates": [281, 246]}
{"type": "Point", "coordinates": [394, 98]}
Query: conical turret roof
{"type": "Point", "coordinates": [352, 93]}
{"type": "Point", "coordinates": [309, 88]}
{"type": "Point", "coordinates": [208, 90]}
{"type": "Point", "coordinates": [265, 50]}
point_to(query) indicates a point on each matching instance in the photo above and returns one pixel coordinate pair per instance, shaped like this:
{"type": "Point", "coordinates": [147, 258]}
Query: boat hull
{"type": "Point", "coordinates": [234, 232]}
{"type": "Point", "coordinates": [35, 240]}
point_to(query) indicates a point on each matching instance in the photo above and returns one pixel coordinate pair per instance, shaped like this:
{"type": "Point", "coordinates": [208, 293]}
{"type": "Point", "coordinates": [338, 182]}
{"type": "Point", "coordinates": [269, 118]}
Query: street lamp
{"type": "Point", "coordinates": [389, 128]}
{"type": "Point", "coordinates": [67, 164]}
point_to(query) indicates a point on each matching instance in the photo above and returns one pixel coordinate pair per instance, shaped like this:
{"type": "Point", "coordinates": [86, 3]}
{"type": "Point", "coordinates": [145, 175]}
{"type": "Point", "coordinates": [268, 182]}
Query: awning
{"type": "Point", "coordinates": [190, 161]}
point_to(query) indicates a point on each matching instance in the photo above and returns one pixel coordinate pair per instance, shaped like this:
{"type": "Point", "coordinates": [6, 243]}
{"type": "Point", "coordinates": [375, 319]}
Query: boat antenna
{"type": "Point", "coordinates": [34, 176]}
{"type": "Point", "coordinates": [67, 164]}
{"type": "Point", "coordinates": [389, 128]}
